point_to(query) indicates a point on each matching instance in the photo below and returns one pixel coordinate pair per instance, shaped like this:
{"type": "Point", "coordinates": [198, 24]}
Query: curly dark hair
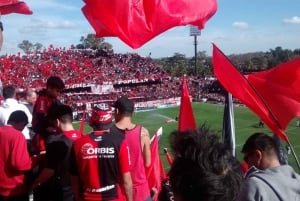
{"type": "Point", "coordinates": [203, 167]}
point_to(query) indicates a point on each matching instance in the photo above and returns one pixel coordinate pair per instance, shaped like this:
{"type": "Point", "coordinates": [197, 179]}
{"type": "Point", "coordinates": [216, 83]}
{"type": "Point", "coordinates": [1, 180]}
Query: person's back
{"type": "Point", "coordinates": [14, 158]}
{"type": "Point", "coordinates": [276, 184]}
{"type": "Point", "coordinates": [267, 179]}
{"type": "Point", "coordinates": [53, 182]}
{"type": "Point", "coordinates": [100, 161]}
{"type": "Point", "coordinates": [139, 147]}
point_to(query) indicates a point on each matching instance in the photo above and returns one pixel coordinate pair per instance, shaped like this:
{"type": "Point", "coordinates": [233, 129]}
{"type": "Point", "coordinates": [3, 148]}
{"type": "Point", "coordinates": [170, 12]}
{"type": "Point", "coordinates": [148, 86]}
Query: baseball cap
{"type": "Point", "coordinates": [101, 116]}
{"type": "Point", "coordinates": [124, 105]}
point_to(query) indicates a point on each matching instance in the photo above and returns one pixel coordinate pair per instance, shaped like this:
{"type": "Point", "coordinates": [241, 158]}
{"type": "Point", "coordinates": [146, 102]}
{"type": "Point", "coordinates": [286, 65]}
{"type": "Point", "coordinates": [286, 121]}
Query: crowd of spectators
{"type": "Point", "coordinates": [128, 74]}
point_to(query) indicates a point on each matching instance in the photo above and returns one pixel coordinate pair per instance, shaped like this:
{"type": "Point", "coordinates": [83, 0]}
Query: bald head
{"type": "Point", "coordinates": [31, 96]}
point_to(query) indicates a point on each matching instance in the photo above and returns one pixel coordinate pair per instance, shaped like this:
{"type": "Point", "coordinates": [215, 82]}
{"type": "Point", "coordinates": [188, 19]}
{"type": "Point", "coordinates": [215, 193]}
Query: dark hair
{"type": "Point", "coordinates": [18, 116]}
{"type": "Point", "coordinates": [262, 142]}
{"type": "Point", "coordinates": [203, 167]}
{"type": "Point", "coordinates": [125, 106]}
{"type": "Point", "coordinates": [9, 91]}
{"type": "Point", "coordinates": [55, 82]}
{"type": "Point", "coordinates": [62, 112]}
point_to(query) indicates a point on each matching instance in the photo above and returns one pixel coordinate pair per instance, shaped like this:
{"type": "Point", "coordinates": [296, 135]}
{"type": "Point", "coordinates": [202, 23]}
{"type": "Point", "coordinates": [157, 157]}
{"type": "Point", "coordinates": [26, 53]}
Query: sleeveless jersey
{"type": "Point", "coordinates": [141, 189]}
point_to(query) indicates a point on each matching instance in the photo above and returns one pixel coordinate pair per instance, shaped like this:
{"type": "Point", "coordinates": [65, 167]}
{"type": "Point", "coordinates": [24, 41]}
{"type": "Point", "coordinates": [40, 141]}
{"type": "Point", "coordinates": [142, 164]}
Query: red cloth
{"type": "Point", "coordinates": [279, 87]}
{"type": "Point", "coordinates": [14, 162]}
{"type": "Point", "coordinates": [186, 118]}
{"type": "Point", "coordinates": [241, 88]}
{"type": "Point", "coordinates": [155, 172]}
{"type": "Point", "coordinates": [135, 22]}
{"type": "Point", "coordinates": [13, 6]}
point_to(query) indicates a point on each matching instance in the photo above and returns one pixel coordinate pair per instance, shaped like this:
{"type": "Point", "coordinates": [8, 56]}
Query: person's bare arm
{"type": "Point", "coordinates": [127, 184]}
{"type": "Point", "coordinates": [145, 142]}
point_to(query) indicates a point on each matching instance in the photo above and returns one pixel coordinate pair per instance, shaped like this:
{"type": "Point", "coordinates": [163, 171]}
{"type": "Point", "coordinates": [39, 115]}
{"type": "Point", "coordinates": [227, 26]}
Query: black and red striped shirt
{"type": "Point", "coordinates": [99, 159]}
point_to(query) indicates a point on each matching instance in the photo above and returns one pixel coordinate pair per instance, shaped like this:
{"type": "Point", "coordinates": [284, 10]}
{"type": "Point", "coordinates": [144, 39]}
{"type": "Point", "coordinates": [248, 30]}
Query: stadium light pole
{"type": "Point", "coordinates": [194, 31]}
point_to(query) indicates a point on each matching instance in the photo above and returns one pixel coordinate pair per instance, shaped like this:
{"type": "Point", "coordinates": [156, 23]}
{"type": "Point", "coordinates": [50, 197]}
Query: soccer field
{"type": "Point", "coordinates": [246, 123]}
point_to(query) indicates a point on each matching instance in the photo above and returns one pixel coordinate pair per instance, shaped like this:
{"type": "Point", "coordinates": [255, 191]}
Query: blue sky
{"type": "Point", "coordinates": [239, 26]}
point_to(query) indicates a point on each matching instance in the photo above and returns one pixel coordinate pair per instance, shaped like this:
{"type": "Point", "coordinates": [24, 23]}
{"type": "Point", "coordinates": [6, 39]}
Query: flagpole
{"type": "Point", "coordinates": [232, 125]}
{"type": "Point", "coordinates": [294, 153]}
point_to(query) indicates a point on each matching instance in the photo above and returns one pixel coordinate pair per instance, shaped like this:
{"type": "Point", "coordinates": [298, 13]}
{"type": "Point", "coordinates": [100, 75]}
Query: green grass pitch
{"type": "Point", "coordinates": [246, 123]}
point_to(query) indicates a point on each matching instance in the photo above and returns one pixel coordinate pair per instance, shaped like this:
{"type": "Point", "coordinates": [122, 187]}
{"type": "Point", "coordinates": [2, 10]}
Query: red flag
{"type": "Point", "coordinates": [153, 173]}
{"type": "Point", "coordinates": [186, 116]}
{"type": "Point", "coordinates": [135, 22]}
{"type": "Point", "coordinates": [14, 6]}
{"type": "Point", "coordinates": [279, 87]}
{"type": "Point", "coordinates": [235, 83]}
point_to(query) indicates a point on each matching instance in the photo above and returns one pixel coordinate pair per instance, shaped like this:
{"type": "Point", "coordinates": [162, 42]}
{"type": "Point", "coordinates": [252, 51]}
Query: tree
{"type": "Point", "coordinates": [37, 47]}
{"type": "Point", "coordinates": [26, 46]}
{"type": "Point", "coordinates": [90, 41]}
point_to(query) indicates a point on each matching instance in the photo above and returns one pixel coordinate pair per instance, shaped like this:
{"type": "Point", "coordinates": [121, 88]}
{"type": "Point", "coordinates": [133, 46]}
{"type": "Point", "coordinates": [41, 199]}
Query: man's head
{"type": "Point", "coordinates": [9, 91]}
{"type": "Point", "coordinates": [261, 151]}
{"type": "Point", "coordinates": [18, 119]}
{"type": "Point", "coordinates": [54, 86]}
{"type": "Point", "coordinates": [101, 118]}
{"type": "Point", "coordinates": [60, 115]}
{"type": "Point", "coordinates": [31, 96]}
{"type": "Point", "coordinates": [123, 107]}
{"type": "Point", "coordinates": [203, 167]}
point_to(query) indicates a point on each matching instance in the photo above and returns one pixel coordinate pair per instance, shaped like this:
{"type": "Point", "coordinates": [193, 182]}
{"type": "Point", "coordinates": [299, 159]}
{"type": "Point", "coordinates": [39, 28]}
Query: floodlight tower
{"type": "Point", "coordinates": [194, 31]}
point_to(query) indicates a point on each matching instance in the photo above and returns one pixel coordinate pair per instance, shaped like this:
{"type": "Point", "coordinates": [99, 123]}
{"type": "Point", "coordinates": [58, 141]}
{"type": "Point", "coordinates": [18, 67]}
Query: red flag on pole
{"type": "Point", "coordinates": [154, 172]}
{"type": "Point", "coordinates": [279, 87]}
{"type": "Point", "coordinates": [136, 22]}
{"type": "Point", "coordinates": [237, 84]}
{"type": "Point", "coordinates": [186, 118]}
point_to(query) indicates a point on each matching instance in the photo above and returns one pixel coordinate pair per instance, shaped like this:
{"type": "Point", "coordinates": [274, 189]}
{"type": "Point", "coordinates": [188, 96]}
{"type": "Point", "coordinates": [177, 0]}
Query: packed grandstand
{"type": "Point", "coordinates": [94, 76]}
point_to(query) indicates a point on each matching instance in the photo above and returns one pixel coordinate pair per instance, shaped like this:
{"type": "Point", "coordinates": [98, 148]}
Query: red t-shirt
{"type": "Point", "coordinates": [99, 159]}
{"type": "Point", "coordinates": [14, 161]}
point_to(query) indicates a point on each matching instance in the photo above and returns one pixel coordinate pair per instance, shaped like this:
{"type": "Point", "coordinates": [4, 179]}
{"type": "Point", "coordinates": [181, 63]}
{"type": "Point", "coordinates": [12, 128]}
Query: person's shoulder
{"type": "Point", "coordinates": [144, 132]}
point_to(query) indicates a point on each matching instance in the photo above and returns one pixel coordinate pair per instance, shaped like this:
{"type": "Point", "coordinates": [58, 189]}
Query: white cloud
{"type": "Point", "coordinates": [38, 26]}
{"type": "Point", "coordinates": [292, 20]}
{"type": "Point", "coordinates": [240, 25]}
{"type": "Point", "coordinates": [50, 5]}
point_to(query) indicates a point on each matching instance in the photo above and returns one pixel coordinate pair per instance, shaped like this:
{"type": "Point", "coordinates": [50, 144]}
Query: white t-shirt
{"type": "Point", "coordinates": [10, 105]}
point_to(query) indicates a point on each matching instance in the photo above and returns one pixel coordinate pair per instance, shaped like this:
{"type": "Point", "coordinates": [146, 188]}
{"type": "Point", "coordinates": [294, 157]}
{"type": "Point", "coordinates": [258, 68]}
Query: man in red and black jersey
{"type": "Point", "coordinates": [100, 161]}
{"type": "Point", "coordinates": [53, 182]}
{"type": "Point", "coordinates": [47, 98]}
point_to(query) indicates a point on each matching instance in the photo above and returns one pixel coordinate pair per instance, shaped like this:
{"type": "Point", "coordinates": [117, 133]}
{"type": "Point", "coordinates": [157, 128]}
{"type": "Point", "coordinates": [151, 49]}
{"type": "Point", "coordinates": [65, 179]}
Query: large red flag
{"type": "Point", "coordinates": [186, 118]}
{"type": "Point", "coordinates": [235, 83]}
{"type": "Point", "coordinates": [14, 6]}
{"type": "Point", "coordinates": [136, 22]}
{"type": "Point", "coordinates": [155, 172]}
{"type": "Point", "coordinates": [279, 87]}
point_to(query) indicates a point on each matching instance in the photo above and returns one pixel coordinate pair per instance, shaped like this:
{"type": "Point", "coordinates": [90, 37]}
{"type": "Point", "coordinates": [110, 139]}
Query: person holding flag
{"type": "Point", "coordinates": [138, 139]}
